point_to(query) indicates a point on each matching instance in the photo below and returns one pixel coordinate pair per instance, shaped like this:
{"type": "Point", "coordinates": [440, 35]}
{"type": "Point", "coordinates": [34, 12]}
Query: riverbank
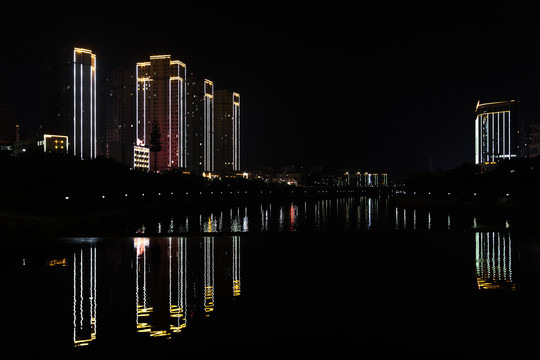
{"type": "Point", "coordinates": [116, 214]}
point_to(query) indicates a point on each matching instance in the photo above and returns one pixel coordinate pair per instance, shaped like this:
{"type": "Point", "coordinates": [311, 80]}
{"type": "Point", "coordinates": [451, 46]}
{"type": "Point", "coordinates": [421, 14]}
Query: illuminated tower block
{"type": "Point", "coordinates": [82, 129]}
{"type": "Point", "coordinates": [498, 133]}
{"type": "Point", "coordinates": [160, 98]}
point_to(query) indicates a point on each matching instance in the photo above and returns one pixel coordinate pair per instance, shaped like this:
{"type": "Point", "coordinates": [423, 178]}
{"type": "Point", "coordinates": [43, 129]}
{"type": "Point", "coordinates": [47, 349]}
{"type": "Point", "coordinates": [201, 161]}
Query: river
{"type": "Point", "coordinates": [343, 275]}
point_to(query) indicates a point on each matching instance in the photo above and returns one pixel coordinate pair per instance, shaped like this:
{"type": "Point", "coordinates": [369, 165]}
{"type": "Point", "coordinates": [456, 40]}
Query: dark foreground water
{"type": "Point", "coordinates": [365, 293]}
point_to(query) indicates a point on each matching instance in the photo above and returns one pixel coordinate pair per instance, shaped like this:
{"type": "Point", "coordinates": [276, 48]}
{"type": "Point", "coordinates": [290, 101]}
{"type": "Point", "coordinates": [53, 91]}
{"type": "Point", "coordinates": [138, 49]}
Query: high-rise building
{"type": "Point", "coordinates": [119, 116]}
{"type": "Point", "coordinates": [161, 99]}
{"type": "Point", "coordinates": [227, 131]}
{"type": "Point", "coordinates": [70, 95]}
{"type": "Point", "coordinates": [499, 133]}
{"type": "Point", "coordinates": [200, 115]}
{"type": "Point", "coordinates": [82, 130]}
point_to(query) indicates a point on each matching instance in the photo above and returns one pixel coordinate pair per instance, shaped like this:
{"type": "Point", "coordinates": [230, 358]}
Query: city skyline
{"type": "Point", "coordinates": [383, 89]}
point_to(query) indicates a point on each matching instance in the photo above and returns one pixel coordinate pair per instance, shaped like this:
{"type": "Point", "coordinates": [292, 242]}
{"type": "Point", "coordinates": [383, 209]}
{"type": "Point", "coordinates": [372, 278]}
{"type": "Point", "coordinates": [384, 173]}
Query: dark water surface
{"type": "Point", "coordinates": [396, 292]}
{"type": "Point", "coordinates": [350, 213]}
{"type": "Point", "coordinates": [344, 276]}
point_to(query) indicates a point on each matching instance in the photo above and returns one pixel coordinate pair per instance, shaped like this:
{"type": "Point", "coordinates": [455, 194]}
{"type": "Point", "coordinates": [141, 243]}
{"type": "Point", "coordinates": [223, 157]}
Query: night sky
{"type": "Point", "coordinates": [379, 88]}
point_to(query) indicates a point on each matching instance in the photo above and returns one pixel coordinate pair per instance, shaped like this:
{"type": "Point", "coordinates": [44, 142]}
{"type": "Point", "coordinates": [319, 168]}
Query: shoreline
{"type": "Point", "coordinates": [118, 221]}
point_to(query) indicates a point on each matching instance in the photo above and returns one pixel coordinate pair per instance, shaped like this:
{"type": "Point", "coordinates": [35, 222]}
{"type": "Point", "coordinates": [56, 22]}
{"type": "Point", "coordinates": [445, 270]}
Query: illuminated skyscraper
{"type": "Point", "coordinates": [200, 117]}
{"type": "Point", "coordinates": [70, 100]}
{"type": "Point", "coordinates": [227, 131]}
{"type": "Point", "coordinates": [82, 129]}
{"type": "Point", "coordinates": [498, 133]}
{"type": "Point", "coordinates": [161, 99]}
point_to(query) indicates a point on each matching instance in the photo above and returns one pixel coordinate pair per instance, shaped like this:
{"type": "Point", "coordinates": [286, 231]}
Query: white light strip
{"type": "Point", "coordinates": [94, 79]}
{"type": "Point", "coordinates": [81, 105]}
{"type": "Point", "coordinates": [170, 124]}
{"type": "Point", "coordinates": [137, 102]}
{"type": "Point", "coordinates": [74, 104]}
{"type": "Point", "coordinates": [476, 141]}
{"type": "Point", "coordinates": [509, 136]}
{"type": "Point", "coordinates": [90, 127]}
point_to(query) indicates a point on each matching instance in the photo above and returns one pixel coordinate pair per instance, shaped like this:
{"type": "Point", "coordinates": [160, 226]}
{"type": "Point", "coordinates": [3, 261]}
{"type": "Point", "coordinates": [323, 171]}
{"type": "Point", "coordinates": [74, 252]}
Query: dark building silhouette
{"type": "Point", "coordinates": [227, 131]}
{"type": "Point", "coordinates": [119, 116]}
{"type": "Point", "coordinates": [200, 125]}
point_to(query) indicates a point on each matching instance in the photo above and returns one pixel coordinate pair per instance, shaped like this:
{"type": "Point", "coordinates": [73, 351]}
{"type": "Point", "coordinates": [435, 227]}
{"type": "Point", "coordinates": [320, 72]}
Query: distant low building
{"type": "Point", "coordinates": [535, 140]}
{"type": "Point", "coordinates": [141, 158]}
{"type": "Point", "coordinates": [47, 143]}
{"type": "Point", "coordinates": [288, 178]}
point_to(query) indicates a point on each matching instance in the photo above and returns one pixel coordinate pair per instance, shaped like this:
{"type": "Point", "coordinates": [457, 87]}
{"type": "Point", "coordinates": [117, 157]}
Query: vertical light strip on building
{"type": "Point", "coordinates": [236, 131]}
{"type": "Point", "coordinates": [509, 136]}
{"type": "Point", "coordinates": [94, 80]}
{"type": "Point", "coordinates": [499, 134]}
{"type": "Point", "coordinates": [476, 141]}
{"type": "Point", "coordinates": [74, 103]}
{"type": "Point", "coordinates": [137, 103]}
{"type": "Point", "coordinates": [502, 135]}
{"type": "Point", "coordinates": [208, 161]}
{"type": "Point", "coordinates": [91, 125]}
{"type": "Point", "coordinates": [169, 136]}
{"type": "Point", "coordinates": [182, 138]}
{"type": "Point", "coordinates": [84, 131]}
{"type": "Point", "coordinates": [81, 106]}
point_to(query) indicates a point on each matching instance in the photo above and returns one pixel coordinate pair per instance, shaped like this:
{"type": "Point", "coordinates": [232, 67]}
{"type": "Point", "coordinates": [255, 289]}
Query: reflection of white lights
{"type": "Point", "coordinates": [236, 265]}
{"type": "Point", "coordinates": [494, 260]}
{"type": "Point", "coordinates": [84, 297]}
{"type": "Point", "coordinates": [208, 247]}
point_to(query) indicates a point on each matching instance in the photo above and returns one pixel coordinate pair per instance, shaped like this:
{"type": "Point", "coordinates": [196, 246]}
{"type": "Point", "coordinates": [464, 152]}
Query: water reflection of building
{"type": "Point", "coordinates": [236, 265]}
{"type": "Point", "coordinates": [494, 261]}
{"type": "Point", "coordinates": [84, 296]}
{"type": "Point", "coordinates": [208, 246]}
{"type": "Point", "coordinates": [161, 285]}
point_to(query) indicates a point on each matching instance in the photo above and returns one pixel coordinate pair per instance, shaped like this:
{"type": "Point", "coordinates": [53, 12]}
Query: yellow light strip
{"type": "Point", "coordinates": [157, 57]}
{"type": "Point", "coordinates": [81, 50]}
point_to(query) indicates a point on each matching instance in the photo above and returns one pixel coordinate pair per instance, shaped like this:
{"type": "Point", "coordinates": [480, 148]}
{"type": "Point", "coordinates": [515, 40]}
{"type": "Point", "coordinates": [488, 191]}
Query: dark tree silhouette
{"type": "Point", "coordinates": [155, 142]}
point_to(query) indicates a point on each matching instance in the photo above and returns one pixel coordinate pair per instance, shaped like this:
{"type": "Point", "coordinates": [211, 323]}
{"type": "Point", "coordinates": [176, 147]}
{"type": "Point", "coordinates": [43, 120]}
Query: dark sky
{"type": "Point", "coordinates": [380, 88]}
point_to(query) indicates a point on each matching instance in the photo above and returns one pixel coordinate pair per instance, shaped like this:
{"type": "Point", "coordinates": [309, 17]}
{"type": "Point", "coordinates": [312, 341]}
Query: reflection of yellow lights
{"type": "Point", "coordinates": [56, 262]}
{"type": "Point", "coordinates": [236, 287]}
{"type": "Point", "coordinates": [85, 342]}
{"type": "Point", "coordinates": [158, 333]}
{"type": "Point", "coordinates": [493, 284]}
{"type": "Point", "coordinates": [177, 329]}
{"type": "Point", "coordinates": [176, 312]}
{"type": "Point", "coordinates": [143, 327]}
{"type": "Point", "coordinates": [209, 296]}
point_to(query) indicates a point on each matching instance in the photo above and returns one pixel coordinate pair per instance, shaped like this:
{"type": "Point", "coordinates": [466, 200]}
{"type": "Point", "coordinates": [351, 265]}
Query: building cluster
{"type": "Point", "coordinates": [158, 118]}
{"type": "Point", "coordinates": [316, 175]}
